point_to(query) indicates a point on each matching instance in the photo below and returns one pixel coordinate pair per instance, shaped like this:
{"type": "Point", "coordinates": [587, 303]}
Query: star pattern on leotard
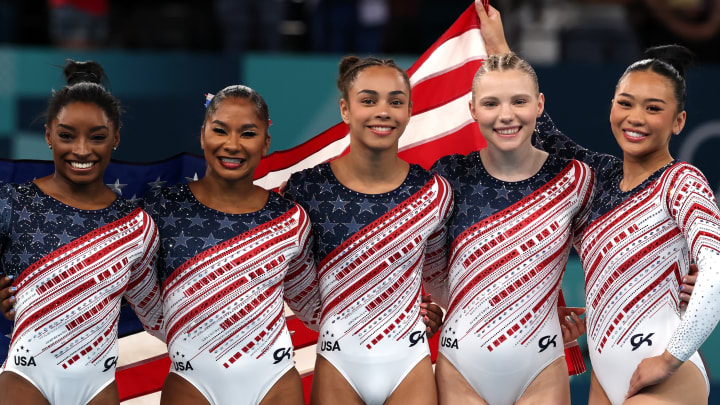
{"type": "Point", "coordinates": [182, 220]}
{"type": "Point", "coordinates": [40, 224]}
{"type": "Point", "coordinates": [478, 195]}
{"type": "Point", "coordinates": [337, 212]}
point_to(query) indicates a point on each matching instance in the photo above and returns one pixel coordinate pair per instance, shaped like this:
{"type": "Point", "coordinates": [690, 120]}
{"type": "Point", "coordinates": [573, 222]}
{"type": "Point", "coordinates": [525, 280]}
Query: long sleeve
{"type": "Point", "coordinates": [435, 272]}
{"type": "Point", "coordinates": [5, 215]}
{"type": "Point", "coordinates": [548, 137]}
{"type": "Point", "coordinates": [143, 291]}
{"type": "Point", "coordinates": [690, 201]}
{"type": "Point", "coordinates": [587, 192]}
{"type": "Point", "coordinates": [302, 292]}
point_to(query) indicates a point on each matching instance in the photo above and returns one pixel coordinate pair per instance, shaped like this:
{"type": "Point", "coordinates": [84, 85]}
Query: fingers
{"type": "Point", "coordinates": [432, 317]}
{"type": "Point", "coordinates": [7, 298]}
{"type": "Point", "coordinates": [281, 189]}
{"type": "Point", "coordinates": [693, 270]}
{"type": "Point", "coordinates": [572, 327]}
{"type": "Point", "coordinates": [687, 287]}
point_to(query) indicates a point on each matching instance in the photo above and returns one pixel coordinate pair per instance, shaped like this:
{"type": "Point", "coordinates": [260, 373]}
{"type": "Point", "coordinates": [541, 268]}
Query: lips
{"type": "Point", "coordinates": [508, 132]}
{"type": "Point", "coordinates": [80, 166]}
{"type": "Point", "coordinates": [381, 129]}
{"type": "Point", "coordinates": [634, 135]}
{"type": "Point", "coordinates": [231, 163]}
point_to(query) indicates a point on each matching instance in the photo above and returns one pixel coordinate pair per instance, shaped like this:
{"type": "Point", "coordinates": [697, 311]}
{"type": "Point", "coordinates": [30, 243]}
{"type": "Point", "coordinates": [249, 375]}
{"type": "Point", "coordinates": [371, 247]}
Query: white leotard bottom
{"type": "Point", "coordinates": [245, 382]}
{"type": "Point", "coordinates": [375, 374]}
{"type": "Point", "coordinates": [61, 388]}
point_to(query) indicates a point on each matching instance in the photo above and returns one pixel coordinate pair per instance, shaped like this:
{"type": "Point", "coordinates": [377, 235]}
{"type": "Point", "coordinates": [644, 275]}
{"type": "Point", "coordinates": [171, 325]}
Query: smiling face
{"type": "Point", "coordinates": [82, 139]}
{"type": "Point", "coordinates": [644, 115]}
{"type": "Point", "coordinates": [234, 140]}
{"type": "Point", "coordinates": [377, 108]}
{"type": "Point", "coordinates": [506, 105]}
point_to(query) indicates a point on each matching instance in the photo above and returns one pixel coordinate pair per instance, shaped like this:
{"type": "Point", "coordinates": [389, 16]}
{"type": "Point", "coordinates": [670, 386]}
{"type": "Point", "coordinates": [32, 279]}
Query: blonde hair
{"type": "Point", "coordinates": [502, 63]}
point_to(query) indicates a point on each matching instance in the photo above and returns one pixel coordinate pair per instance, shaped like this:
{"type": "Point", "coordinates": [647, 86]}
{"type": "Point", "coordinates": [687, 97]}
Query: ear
{"type": "Point", "coordinates": [47, 135]}
{"type": "Point", "coordinates": [116, 140]}
{"type": "Point", "coordinates": [679, 122]}
{"type": "Point", "coordinates": [345, 111]}
{"type": "Point", "coordinates": [266, 147]}
{"type": "Point", "coordinates": [410, 109]}
{"type": "Point", "coordinates": [202, 137]}
{"type": "Point", "coordinates": [472, 110]}
{"type": "Point", "coordinates": [541, 104]}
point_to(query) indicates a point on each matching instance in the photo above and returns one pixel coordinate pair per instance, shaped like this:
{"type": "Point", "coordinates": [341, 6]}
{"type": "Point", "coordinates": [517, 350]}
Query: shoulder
{"type": "Point", "coordinates": [452, 166]}
{"type": "Point", "coordinates": [305, 181]}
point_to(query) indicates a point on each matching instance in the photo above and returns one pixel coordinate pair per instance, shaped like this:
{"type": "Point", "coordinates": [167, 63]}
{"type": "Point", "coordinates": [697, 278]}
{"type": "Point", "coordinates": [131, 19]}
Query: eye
{"type": "Point", "coordinates": [623, 103]}
{"type": "Point", "coordinates": [65, 135]}
{"type": "Point", "coordinates": [98, 137]}
{"type": "Point", "coordinates": [397, 102]}
{"type": "Point", "coordinates": [219, 131]}
{"type": "Point", "coordinates": [654, 108]}
{"type": "Point", "coordinates": [520, 101]}
{"type": "Point", "coordinates": [248, 134]}
{"type": "Point", "coordinates": [489, 104]}
{"type": "Point", "coordinates": [367, 101]}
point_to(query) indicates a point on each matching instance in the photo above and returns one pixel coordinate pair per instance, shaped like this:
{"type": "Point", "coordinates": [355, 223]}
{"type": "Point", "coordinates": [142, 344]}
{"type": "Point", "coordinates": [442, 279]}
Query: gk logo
{"type": "Point", "coordinates": [416, 337]}
{"type": "Point", "coordinates": [637, 340]}
{"type": "Point", "coordinates": [281, 354]}
{"type": "Point", "coordinates": [110, 363]}
{"type": "Point", "coordinates": [546, 341]}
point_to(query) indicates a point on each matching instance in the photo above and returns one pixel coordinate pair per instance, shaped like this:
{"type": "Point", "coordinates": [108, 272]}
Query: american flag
{"type": "Point", "coordinates": [440, 125]}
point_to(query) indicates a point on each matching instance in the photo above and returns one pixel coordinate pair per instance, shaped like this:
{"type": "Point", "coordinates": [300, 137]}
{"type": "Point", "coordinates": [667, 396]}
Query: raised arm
{"type": "Point", "coordinates": [435, 271]}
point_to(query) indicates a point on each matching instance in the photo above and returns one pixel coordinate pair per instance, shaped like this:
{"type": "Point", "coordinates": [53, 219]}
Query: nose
{"type": "Point", "coordinates": [382, 111]}
{"type": "Point", "coordinates": [636, 116]}
{"type": "Point", "coordinates": [506, 113]}
{"type": "Point", "coordinates": [81, 147]}
{"type": "Point", "coordinates": [232, 143]}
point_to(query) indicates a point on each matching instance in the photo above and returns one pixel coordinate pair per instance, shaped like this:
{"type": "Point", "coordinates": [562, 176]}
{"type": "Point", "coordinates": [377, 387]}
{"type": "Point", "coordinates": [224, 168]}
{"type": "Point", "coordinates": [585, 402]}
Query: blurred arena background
{"type": "Point", "coordinates": [162, 57]}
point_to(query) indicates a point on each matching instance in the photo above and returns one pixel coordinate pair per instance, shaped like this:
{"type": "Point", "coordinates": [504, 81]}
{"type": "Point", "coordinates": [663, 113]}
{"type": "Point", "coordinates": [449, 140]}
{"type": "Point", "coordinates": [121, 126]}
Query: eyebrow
{"type": "Point", "coordinates": [95, 128]}
{"type": "Point", "coordinates": [375, 93]}
{"type": "Point", "coordinates": [655, 100]}
{"type": "Point", "coordinates": [244, 126]}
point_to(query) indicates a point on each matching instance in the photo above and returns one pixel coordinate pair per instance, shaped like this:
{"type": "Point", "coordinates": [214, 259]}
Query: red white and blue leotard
{"type": "Point", "coordinates": [636, 248]}
{"type": "Point", "coordinates": [224, 277]}
{"type": "Point", "coordinates": [373, 252]}
{"type": "Point", "coordinates": [510, 244]}
{"type": "Point", "coordinates": [71, 269]}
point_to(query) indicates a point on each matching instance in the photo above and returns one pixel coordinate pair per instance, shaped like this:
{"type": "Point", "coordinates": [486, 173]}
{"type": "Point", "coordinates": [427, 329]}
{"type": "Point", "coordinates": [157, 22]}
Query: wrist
{"type": "Point", "coordinates": [671, 361]}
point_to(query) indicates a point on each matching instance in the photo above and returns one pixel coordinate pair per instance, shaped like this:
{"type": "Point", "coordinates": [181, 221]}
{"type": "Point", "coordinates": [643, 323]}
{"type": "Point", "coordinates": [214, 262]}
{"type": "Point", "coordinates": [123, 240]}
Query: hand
{"type": "Point", "coordinates": [7, 298]}
{"type": "Point", "coordinates": [686, 289]}
{"type": "Point", "coordinates": [281, 189]}
{"type": "Point", "coordinates": [653, 370]}
{"type": "Point", "coordinates": [571, 324]}
{"type": "Point", "coordinates": [432, 315]}
{"type": "Point", "coordinates": [491, 29]}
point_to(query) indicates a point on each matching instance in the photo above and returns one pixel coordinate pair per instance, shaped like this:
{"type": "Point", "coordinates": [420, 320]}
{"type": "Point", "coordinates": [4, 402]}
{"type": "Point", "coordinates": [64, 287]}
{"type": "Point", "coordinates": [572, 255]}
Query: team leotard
{"type": "Point", "coordinates": [510, 243]}
{"type": "Point", "coordinates": [636, 248]}
{"type": "Point", "coordinates": [71, 269]}
{"type": "Point", "coordinates": [373, 250]}
{"type": "Point", "coordinates": [224, 277]}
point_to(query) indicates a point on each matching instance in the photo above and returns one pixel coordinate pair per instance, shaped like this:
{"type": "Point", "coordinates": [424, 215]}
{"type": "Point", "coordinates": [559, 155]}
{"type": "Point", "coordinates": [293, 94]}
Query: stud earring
{"type": "Point", "coordinates": [49, 146]}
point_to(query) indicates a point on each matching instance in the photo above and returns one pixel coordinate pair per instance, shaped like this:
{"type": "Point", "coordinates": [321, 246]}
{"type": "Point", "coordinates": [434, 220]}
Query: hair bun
{"type": "Point", "coordinates": [86, 71]}
{"type": "Point", "coordinates": [677, 56]}
{"type": "Point", "coordinates": [346, 64]}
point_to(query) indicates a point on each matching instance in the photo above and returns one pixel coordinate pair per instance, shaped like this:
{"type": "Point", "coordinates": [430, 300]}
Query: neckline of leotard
{"type": "Point", "coordinates": [185, 188]}
{"type": "Point", "coordinates": [652, 177]}
{"type": "Point", "coordinates": [411, 173]}
{"type": "Point", "coordinates": [520, 183]}
{"type": "Point", "coordinates": [38, 190]}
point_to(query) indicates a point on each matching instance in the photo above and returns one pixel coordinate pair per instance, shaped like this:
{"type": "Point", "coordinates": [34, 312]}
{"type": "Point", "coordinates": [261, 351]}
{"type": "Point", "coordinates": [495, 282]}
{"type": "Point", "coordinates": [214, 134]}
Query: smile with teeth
{"type": "Point", "coordinates": [234, 161]}
{"type": "Point", "coordinates": [507, 131]}
{"type": "Point", "coordinates": [380, 129]}
{"type": "Point", "coordinates": [81, 165]}
{"type": "Point", "coordinates": [634, 134]}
